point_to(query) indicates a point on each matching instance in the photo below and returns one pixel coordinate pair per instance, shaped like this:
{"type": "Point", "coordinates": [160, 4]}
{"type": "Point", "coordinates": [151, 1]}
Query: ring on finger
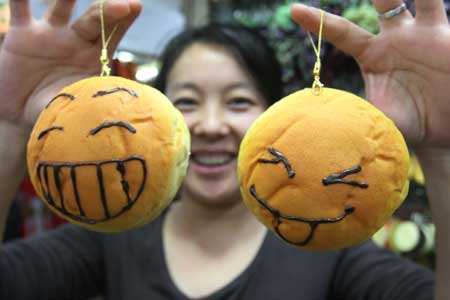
{"type": "Point", "coordinates": [393, 12]}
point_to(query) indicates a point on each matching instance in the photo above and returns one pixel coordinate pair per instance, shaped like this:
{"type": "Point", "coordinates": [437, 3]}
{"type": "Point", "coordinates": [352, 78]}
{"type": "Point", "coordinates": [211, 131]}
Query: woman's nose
{"type": "Point", "coordinates": [211, 122]}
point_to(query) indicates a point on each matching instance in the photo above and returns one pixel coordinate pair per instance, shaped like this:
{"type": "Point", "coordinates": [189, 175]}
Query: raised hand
{"type": "Point", "coordinates": [40, 57]}
{"type": "Point", "coordinates": [406, 67]}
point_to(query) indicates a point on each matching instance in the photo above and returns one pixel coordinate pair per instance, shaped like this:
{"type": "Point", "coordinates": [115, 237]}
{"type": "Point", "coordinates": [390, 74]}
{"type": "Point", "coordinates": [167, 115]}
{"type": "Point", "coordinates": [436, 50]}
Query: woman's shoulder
{"type": "Point", "coordinates": [277, 254]}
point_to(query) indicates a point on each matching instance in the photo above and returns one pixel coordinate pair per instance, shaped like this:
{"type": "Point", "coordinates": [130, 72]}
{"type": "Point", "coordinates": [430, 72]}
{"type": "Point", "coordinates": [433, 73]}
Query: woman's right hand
{"type": "Point", "coordinates": [39, 57]}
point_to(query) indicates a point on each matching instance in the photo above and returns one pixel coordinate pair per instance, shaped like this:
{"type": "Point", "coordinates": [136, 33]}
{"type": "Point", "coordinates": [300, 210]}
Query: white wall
{"type": "Point", "coordinates": [158, 22]}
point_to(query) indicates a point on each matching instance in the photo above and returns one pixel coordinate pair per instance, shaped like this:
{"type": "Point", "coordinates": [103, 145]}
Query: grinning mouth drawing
{"type": "Point", "coordinates": [44, 168]}
{"type": "Point", "coordinates": [313, 223]}
{"type": "Point", "coordinates": [337, 178]}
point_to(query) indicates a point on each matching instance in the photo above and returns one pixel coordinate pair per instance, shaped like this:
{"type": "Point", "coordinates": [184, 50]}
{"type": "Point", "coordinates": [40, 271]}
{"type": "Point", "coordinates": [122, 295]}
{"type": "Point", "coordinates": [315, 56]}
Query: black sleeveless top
{"type": "Point", "coordinates": [73, 263]}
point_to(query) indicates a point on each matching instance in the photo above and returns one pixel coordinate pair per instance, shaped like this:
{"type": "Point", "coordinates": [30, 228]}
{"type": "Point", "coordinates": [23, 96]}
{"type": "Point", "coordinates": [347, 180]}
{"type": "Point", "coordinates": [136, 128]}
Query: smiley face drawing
{"type": "Point", "coordinates": [323, 172]}
{"type": "Point", "coordinates": [108, 153]}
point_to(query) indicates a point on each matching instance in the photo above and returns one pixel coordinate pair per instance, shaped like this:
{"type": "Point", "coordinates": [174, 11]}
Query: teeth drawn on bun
{"type": "Point", "coordinates": [108, 153]}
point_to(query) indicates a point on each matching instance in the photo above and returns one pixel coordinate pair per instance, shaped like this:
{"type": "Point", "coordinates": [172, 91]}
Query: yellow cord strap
{"type": "Point", "coordinates": [317, 85]}
{"type": "Point", "coordinates": [104, 58]}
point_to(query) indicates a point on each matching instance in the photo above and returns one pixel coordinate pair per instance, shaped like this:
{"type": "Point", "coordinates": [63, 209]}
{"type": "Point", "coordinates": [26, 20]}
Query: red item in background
{"type": "Point", "coordinates": [126, 70]}
{"type": "Point", "coordinates": [35, 216]}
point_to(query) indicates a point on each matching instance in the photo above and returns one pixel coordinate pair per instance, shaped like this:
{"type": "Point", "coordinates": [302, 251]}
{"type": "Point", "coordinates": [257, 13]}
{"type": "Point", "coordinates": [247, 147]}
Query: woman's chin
{"type": "Point", "coordinates": [212, 185]}
{"type": "Point", "coordinates": [214, 195]}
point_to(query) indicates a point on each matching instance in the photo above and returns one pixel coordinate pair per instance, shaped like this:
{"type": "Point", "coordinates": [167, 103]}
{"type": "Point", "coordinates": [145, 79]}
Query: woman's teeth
{"type": "Point", "coordinates": [212, 159]}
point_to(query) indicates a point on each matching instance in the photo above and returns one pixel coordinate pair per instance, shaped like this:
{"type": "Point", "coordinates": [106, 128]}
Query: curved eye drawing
{"type": "Point", "coordinates": [111, 124]}
{"type": "Point", "coordinates": [338, 178]}
{"type": "Point", "coordinates": [63, 95]}
{"type": "Point", "coordinates": [46, 131]}
{"type": "Point", "coordinates": [279, 157]}
{"type": "Point", "coordinates": [115, 90]}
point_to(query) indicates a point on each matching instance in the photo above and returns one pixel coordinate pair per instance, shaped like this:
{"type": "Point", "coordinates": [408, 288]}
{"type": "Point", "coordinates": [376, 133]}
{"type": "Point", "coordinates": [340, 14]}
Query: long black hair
{"type": "Point", "coordinates": [249, 47]}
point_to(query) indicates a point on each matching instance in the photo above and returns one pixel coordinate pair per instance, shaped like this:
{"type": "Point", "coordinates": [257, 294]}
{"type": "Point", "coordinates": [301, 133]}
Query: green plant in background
{"type": "Point", "coordinates": [294, 49]}
{"type": "Point", "coordinates": [364, 15]}
{"type": "Point", "coordinates": [282, 17]}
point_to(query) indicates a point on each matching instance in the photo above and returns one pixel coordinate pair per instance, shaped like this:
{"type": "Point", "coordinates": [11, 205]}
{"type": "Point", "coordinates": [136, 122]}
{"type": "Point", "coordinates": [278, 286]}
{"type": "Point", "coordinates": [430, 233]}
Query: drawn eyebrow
{"type": "Point", "coordinates": [43, 133]}
{"type": "Point", "coordinates": [71, 97]}
{"type": "Point", "coordinates": [111, 124]}
{"type": "Point", "coordinates": [279, 157]}
{"type": "Point", "coordinates": [337, 178]}
{"type": "Point", "coordinates": [115, 90]}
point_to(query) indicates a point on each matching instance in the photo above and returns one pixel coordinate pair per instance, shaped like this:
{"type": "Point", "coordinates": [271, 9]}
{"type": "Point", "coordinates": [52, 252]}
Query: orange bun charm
{"type": "Point", "coordinates": [323, 172]}
{"type": "Point", "coordinates": [108, 153]}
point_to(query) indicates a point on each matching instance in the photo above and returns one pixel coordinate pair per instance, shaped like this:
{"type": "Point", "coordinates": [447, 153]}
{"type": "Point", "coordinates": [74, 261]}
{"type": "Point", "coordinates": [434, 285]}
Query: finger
{"type": "Point", "coordinates": [431, 12]}
{"type": "Point", "coordinates": [342, 33]}
{"type": "Point", "coordinates": [60, 12]}
{"type": "Point", "coordinates": [135, 10]}
{"type": "Point", "coordinates": [385, 7]}
{"type": "Point", "coordinates": [115, 11]}
{"type": "Point", "coordinates": [20, 12]}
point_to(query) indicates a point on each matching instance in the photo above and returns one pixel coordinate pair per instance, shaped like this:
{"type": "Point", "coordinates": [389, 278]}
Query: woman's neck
{"type": "Point", "coordinates": [218, 244]}
{"type": "Point", "coordinates": [210, 227]}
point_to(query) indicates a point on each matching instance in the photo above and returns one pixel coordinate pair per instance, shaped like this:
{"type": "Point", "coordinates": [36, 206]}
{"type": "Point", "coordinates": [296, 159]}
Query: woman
{"type": "Point", "coordinates": [210, 225]}
{"type": "Point", "coordinates": [207, 245]}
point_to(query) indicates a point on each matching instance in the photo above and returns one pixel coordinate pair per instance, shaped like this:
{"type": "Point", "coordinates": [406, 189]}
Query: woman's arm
{"type": "Point", "coordinates": [13, 140]}
{"type": "Point", "coordinates": [406, 69]}
{"type": "Point", "coordinates": [436, 166]}
{"type": "Point", "coordinates": [66, 263]}
{"type": "Point", "coordinates": [37, 59]}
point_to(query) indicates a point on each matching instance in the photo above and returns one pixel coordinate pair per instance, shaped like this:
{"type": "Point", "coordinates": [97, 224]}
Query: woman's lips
{"type": "Point", "coordinates": [209, 163]}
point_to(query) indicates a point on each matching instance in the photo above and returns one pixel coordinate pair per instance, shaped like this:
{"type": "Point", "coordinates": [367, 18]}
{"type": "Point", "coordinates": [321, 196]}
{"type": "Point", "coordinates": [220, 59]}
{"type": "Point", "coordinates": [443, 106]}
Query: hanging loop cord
{"type": "Point", "coordinates": [104, 58]}
{"type": "Point", "coordinates": [317, 85]}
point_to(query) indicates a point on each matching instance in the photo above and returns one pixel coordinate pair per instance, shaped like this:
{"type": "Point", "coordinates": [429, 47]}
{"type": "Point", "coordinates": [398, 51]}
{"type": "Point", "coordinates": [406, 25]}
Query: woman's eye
{"type": "Point", "coordinates": [240, 103]}
{"type": "Point", "coordinates": [185, 104]}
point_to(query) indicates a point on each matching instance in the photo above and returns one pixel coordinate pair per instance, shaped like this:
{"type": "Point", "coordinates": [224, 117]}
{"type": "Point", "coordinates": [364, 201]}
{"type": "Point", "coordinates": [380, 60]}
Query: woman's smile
{"type": "Point", "coordinates": [218, 111]}
{"type": "Point", "coordinates": [212, 162]}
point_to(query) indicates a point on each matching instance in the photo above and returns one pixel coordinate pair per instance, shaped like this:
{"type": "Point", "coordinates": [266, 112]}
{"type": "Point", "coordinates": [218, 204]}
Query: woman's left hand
{"type": "Point", "coordinates": [406, 67]}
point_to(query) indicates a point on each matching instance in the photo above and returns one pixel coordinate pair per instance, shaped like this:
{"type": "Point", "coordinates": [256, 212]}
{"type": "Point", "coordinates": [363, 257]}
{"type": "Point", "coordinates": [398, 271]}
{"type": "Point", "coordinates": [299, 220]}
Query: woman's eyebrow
{"type": "Point", "coordinates": [43, 133]}
{"type": "Point", "coordinates": [127, 126]}
{"type": "Point", "coordinates": [63, 95]}
{"type": "Point", "coordinates": [237, 85]}
{"type": "Point", "coordinates": [192, 86]}
{"type": "Point", "coordinates": [185, 86]}
{"type": "Point", "coordinates": [115, 90]}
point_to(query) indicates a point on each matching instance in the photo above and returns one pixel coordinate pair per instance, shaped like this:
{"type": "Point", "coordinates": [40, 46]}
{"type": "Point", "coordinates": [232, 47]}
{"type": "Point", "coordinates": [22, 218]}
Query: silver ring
{"type": "Point", "coordinates": [393, 12]}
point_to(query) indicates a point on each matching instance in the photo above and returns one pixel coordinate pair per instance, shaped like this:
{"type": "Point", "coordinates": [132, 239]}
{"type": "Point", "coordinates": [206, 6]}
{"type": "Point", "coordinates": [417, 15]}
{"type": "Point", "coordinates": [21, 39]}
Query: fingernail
{"type": "Point", "coordinates": [299, 5]}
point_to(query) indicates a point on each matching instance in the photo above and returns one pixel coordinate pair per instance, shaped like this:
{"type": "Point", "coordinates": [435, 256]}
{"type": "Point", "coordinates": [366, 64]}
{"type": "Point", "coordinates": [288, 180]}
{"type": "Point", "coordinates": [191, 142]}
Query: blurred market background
{"type": "Point", "coordinates": [410, 233]}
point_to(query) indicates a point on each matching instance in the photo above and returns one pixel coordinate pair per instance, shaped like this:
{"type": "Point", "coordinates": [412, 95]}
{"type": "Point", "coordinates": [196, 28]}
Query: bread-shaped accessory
{"type": "Point", "coordinates": [323, 172]}
{"type": "Point", "coordinates": [108, 153]}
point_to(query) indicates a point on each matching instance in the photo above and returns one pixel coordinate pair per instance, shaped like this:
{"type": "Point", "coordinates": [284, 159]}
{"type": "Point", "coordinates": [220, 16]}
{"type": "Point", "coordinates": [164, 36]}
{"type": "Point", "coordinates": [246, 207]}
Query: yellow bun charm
{"type": "Point", "coordinates": [108, 153]}
{"type": "Point", "coordinates": [323, 172]}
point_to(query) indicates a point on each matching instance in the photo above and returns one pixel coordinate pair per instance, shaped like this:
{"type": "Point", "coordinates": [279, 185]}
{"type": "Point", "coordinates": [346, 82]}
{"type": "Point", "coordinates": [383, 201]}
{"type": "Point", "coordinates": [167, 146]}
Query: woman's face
{"type": "Point", "coordinates": [219, 101]}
